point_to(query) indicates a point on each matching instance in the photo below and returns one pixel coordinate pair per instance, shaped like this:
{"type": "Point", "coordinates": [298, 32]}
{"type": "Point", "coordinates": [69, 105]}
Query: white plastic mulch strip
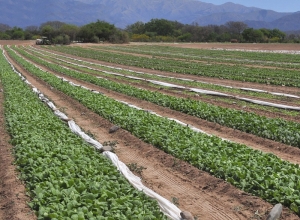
{"type": "Point", "coordinates": [283, 94]}
{"type": "Point", "coordinates": [76, 129]}
{"type": "Point", "coordinates": [168, 208]}
{"type": "Point", "coordinates": [183, 79]}
{"type": "Point", "coordinates": [166, 84]}
{"type": "Point", "coordinates": [270, 104]}
{"type": "Point", "coordinates": [262, 51]}
{"type": "Point", "coordinates": [272, 93]}
{"type": "Point", "coordinates": [208, 92]}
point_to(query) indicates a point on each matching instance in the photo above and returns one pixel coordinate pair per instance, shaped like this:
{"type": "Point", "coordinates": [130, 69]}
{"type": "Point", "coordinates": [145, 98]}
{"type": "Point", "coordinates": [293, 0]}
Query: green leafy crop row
{"type": "Point", "coordinates": [66, 178]}
{"type": "Point", "coordinates": [236, 72]}
{"type": "Point", "coordinates": [275, 129]}
{"type": "Point", "coordinates": [261, 174]}
{"type": "Point", "coordinates": [198, 84]}
{"type": "Point", "coordinates": [215, 56]}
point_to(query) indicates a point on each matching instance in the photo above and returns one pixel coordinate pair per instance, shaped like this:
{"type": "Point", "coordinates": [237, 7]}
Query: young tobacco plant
{"type": "Point", "coordinates": [261, 174]}
{"type": "Point", "coordinates": [66, 178]}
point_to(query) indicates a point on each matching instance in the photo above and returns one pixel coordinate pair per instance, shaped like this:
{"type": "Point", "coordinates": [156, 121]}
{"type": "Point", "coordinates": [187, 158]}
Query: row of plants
{"type": "Point", "coordinates": [261, 174]}
{"type": "Point", "coordinates": [65, 178]}
{"type": "Point", "coordinates": [236, 72]}
{"type": "Point", "coordinates": [125, 77]}
{"type": "Point", "coordinates": [85, 66]}
{"type": "Point", "coordinates": [276, 129]}
{"type": "Point", "coordinates": [224, 56]}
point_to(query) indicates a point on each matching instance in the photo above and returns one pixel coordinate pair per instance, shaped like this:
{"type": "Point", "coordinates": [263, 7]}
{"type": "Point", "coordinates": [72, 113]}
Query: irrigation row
{"type": "Point", "coordinates": [215, 211]}
{"type": "Point", "coordinates": [239, 73]}
{"type": "Point", "coordinates": [216, 86]}
{"type": "Point", "coordinates": [274, 129]}
{"type": "Point", "coordinates": [261, 174]}
{"type": "Point", "coordinates": [198, 55]}
{"type": "Point", "coordinates": [69, 188]}
{"type": "Point", "coordinates": [202, 91]}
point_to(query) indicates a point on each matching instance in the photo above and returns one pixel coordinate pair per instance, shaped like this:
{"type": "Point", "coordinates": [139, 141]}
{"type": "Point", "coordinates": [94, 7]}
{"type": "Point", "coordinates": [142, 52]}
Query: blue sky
{"type": "Point", "coordinates": [276, 5]}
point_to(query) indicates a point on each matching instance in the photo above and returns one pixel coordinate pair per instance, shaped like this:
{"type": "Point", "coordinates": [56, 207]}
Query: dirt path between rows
{"type": "Point", "coordinates": [196, 191]}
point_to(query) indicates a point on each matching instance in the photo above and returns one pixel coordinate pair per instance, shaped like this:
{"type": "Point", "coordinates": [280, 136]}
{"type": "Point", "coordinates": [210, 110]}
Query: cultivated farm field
{"type": "Point", "coordinates": [213, 128]}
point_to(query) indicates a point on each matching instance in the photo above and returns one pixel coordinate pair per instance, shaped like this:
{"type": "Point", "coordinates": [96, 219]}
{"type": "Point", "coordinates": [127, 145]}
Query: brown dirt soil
{"type": "Point", "coordinates": [17, 42]}
{"type": "Point", "coordinates": [198, 192]}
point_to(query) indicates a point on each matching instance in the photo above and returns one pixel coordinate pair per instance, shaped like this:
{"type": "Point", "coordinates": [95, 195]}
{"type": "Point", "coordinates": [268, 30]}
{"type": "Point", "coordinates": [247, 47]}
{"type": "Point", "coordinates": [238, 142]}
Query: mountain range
{"type": "Point", "coordinates": [23, 13]}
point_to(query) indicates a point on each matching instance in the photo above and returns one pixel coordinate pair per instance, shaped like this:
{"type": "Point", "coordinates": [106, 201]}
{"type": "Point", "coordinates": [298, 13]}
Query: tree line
{"type": "Point", "coordinates": [62, 33]}
{"type": "Point", "coordinates": [232, 31]}
{"type": "Point", "coordinates": [155, 30]}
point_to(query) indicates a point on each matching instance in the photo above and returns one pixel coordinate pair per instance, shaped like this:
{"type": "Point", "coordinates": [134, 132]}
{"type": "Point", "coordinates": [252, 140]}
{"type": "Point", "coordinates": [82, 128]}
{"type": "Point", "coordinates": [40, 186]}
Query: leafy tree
{"type": "Point", "coordinates": [55, 25]}
{"type": "Point", "coordinates": [86, 34]}
{"type": "Point", "coordinates": [34, 30]}
{"type": "Point", "coordinates": [95, 39]}
{"type": "Point", "coordinates": [277, 33]}
{"type": "Point", "coordinates": [70, 30]}
{"type": "Point", "coordinates": [266, 32]}
{"type": "Point", "coordinates": [293, 38]}
{"type": "Point", "coordinates": [161, 27]}
{"type": "Point", "coordinates": [16, 33]}
{"type": "Point", "coordinates": [195, 32]}
{"type": "Point", "coordinates": [236, 28]}
{"type": "Point", "coordinates": [28, 35]}
{"type": "Point", "coordinates": [212, 37]}
{"type": "Point", "coordinates": [185, 37]}
{"type": "Point", "coordinates": [136, 28]}
{"type": "Point", "coordinates": [252, 35]}
{"type": "Point", "coordinates": [224, 37]}
{"type": "Point", "coordinates": [62, 39]}
{"type": "Point", "coordinates": [48, 31]}
{"type": "Point", "coordinates": [101, 29]}
{"type": "Point", "coordinates": [119, 37]}
{"type": "Point", "coordinates": [4, 36]}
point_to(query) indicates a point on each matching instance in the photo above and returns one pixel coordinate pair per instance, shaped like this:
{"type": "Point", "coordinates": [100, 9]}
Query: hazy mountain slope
{"type": "Point", "coordinates": [23, 13]}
